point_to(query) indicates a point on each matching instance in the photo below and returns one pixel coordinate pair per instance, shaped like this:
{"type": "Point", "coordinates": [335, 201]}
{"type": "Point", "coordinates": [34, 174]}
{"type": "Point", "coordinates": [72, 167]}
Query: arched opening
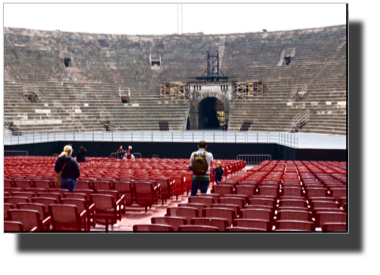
{"type": "Point", "coordinates": [210, 114]}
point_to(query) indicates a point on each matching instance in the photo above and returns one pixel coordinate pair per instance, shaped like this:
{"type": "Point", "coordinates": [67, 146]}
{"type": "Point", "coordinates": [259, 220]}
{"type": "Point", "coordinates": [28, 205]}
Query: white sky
{"type": "Point", "coordinates": [162, 18]}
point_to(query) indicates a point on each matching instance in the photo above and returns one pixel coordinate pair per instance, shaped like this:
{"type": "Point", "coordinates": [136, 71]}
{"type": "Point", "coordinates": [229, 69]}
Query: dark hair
{"type": "Point", "coordinates": [82, 149]}
{"type": "Point", "coordinates": [202, 144]}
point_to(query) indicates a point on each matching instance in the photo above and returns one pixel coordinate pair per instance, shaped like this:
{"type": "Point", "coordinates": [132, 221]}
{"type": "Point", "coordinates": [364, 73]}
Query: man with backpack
{"type": "Point", "coordinates": [200, 162]}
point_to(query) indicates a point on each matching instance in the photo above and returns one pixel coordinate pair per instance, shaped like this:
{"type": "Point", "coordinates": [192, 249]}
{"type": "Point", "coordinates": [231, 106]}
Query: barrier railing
{"type": "Point", "coordinates": [287, 139]}
{"type": "Point", "coordinates": [254, 159]}
{"type": "Point", "coordinates": [15, 153]}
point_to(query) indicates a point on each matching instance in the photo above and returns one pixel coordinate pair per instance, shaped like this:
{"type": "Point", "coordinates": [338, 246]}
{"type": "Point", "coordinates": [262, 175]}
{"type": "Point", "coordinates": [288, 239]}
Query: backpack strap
{"type": "Point", "coordinates": [204, 154]}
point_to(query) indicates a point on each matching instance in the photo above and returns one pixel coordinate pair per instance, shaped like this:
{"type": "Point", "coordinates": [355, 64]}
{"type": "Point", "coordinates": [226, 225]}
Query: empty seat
{"type": "Point", "coordinates": [232, 200]}
{"type": "Point", "coordinates": [23, 183]}
{"type": "Point", "coordinates": [316, 192]}
{"type": "Point", "coordinates": [222, 189]}
{"type": "Point", "coordinates": [35, 206]}
{"type": "Point", "coordinates": [31, 219]}
{"type": "Point", "coordinates": [242, 229]}
{"type": "Point", "coordinates": [152, 228]}
{"type": "Point", "coordinates": [46, 202]}
{"type": "Point", "coordinates": [261, 225]}
{"type": "Point", "coordinates": [51, 195]}
{"type": "Point", "coordinates": [7, 206]}
{"type": "Point", "coordinates": [102, 185]}
{"type": "Point", "coordinates": [291, 191]}
{"type": "Point", "coordinates": [178, 185]}
{"type": "Point", "coordinates": [15, 200]}
{"type": "Point", "coordinates": [233, 207]}
{"type": "Point", "coordinates": [334, 226]}
{"type": "Point", "coordinates": [199, 228]}
{"type": "Point", "coordinates": [218, 222]}
{"type": "Point", "coordinates": [247, 190]}
{"type": "Point", "coordinates": [201, 200]}
{"type": "Point", "coordinates": [106, 209]}
{"type": "Point", "coordinates": [28, 195]}
{"type": "Point", "coordinates": [297, 215]}
{"type": "Point", "coordinates": [295, 225]}
{"type": "Point", "coordinates": [67, 217]}
{"type": "Point", "coordinates": [269, 190]}
{"type": "Point", "coordinates": [166, 188]}
{"type": "Point", "coordinates": [199, 206]}
{"type": "Point", "coordinates": [218, 212]}
{"type": "Point", "coordinates": [8, 183]}
{"type": "Point", "coordinates": [174, 222]}
{"type": "Point", "coordinates": [46, 184]}
{"type": "Point", "coordinates": [338, 193]}
{"type": "Point", "coordinates": [126, 189]}
{"type": "Point", "coordinates": [186, 212]}
{"type": "Point", "coordinates": [146, 194]}
{"type": "Point", "coordinates": [293, 202]}
{"type": "Point", "coordinates": [13, 226]}
{"type": "Point", "coordinates": [83, 206]}
{"type": "Point", "coordinates": [262, 201]}
{"type": "Point", "coordinates": [35, 190]}
{"type": "Point", "coordinates": [256, 213]}
{"type": "Point", "coordinates": [330, 216]}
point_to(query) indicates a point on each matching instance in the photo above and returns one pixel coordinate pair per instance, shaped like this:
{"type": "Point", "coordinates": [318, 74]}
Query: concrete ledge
{"type": "Point", "coordinates": [40, 122]}
{"type": "Point", "coordinates": [41, 111]}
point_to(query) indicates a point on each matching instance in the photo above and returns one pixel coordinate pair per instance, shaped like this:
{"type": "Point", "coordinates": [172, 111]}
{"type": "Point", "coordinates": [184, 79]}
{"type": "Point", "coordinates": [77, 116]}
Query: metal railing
{"type": "Point", "coordinates": [287, 139]}
{"type": "Point", "coordinates": [254, 159]}
{"type": "Point", "coordinates": [113, 155]}
{"type": "Point", "coordinates": [15, 153]}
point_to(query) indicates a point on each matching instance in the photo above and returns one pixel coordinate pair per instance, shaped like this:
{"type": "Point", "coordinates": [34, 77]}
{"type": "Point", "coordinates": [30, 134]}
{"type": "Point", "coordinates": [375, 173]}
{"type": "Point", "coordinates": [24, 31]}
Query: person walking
{"type": "Point", "coordinates": [129, 153]}
{"type": "Point", "coordinates": [81, 157]}
{"type": "Point", "coordinates": [69, 167]}
{"type": "Point", "coordinates": [200, 162]}
{"type": "Point", "coordinates": [120, 153]}
{"type": "Point", "coordinates": [219, 172]}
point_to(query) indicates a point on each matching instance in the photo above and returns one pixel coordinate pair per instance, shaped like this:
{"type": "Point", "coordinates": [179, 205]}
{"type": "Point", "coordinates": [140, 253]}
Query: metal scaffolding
{"type": "Point", "coordinates": [244, 90]}
{"type": "Point", "coordinates": [175, 91]}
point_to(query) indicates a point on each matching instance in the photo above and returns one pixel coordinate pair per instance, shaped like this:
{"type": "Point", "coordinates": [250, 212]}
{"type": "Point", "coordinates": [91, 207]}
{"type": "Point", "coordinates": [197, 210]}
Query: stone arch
{"type": "Point", "coordinates": [195, 101]}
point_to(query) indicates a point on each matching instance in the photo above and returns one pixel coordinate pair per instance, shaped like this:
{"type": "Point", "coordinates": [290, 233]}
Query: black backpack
{"type": "Point", "coordinates": [200, 165]}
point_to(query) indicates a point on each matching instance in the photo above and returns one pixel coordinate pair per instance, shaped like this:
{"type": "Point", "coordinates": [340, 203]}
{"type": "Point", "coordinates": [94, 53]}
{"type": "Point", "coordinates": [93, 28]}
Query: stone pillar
{"type": "Point", "coordinates": [193, 117]}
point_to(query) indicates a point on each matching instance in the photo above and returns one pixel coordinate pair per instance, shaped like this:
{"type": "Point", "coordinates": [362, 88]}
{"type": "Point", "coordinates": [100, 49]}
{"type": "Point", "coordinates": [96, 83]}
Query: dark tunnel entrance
{"type": "Point", "coordinates": [211, 114]}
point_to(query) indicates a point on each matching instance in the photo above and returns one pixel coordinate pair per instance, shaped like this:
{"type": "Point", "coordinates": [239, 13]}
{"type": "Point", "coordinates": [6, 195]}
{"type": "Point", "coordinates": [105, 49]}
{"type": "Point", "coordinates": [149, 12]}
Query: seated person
{"type": "Point", "coordinates": [81, 157]}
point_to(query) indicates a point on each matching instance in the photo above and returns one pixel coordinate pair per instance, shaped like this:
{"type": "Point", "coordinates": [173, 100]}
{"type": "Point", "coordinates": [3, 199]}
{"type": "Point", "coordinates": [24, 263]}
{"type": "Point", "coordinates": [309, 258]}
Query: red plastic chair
{"type": "Point", "coordinates": [35, 191]}
{"type": "Point", "coordinates": [83, 206]}
{"type": "Point", "coordinates": [13, 226]}
{"type": "Point", "coordinates": [102, 185]}
{"type": "Point", "coordinates": [186, 212]}
{"type": "Point", "coordinates": [31, 219]}
{"type": "Point", "coordinates": [8, 183]}
{"type": "Point", "coordinates": [334, 226]}
{"type": "Point", "coordinates": [219, 212]}
{"type": "Point", "coordinates": [46, 184]}
{"type": "Point", "coordinates": [146, 194]}
{"type": "Point", "coordinates": [199, 206]}
{"type": "Point", "coordinates": [222, 224]}
{"type": "Point", "coordinates": [256, 201]}
{"type": "Point", "coordinates": [152, 228]}
{"type": "Point", "coordinates": [46, 202]}
{"type": "Point", "coordinates": [201, 200]}
{"type": "Point", "coordinates": [16, 200]}
{"type": "Point", "coordinates": [242, 229]}
{"type": "Point", "coordinates": [50, 195]}
{"type": "Point", "coordinates": [247, 190]}
{"type": "Point", "coordinates": [197, 228]}
{"type": "Point", "coordinates": [7, 206]}
{"type": "Point", "coordinates": [28, 195]}
{"type": "Point", "coordinates": [106, 209]}
{"type": "Point", "coordinates": [331, 216]}
{"type": "Point", "coordinates": [118, 199]}
{"type": "Point", "coordinates": [256, 213]}
{"type": "Point", "coordinates": [255, 224]}
{"type": "Point", "coordinates": [125, 188]}
{"type": "Point", "coordinates": [222, 189]}
{"type": "Point", "coordinates": [35, 206]}
{"type": "Point", "coordinates": [232, 200]}
{"type": "Point", "coordinates": [289, 225]}
{"type": "Point", "coordinates": [178, 185]}
{"type": "Point", "coordinates": [174, 222]}
{"type": "Point", "coordinates": [66, 217]}
{"type": "Point", "coordinates": [23, 183]}
{"type": "Point", "coordinates": [166, 188]}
